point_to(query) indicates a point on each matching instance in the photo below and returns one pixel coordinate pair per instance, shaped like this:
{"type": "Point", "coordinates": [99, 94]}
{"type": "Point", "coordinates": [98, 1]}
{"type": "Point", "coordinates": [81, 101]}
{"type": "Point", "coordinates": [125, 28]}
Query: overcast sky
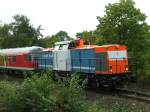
{"type": "Point", "coordinates": [71, 16]}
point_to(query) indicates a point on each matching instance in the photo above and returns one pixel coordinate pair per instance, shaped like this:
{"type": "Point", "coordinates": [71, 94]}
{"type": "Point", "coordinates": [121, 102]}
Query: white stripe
{"type": "Point", "coordinates": [21, 68]}
{"type": "Point", "coordinates": [86, 68]}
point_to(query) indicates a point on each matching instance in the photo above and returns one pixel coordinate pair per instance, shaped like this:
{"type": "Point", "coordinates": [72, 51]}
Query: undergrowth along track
{"type": "Point", "coordinates": [131, 94]}
{"type": "Point", "coordinates": [119, 92]}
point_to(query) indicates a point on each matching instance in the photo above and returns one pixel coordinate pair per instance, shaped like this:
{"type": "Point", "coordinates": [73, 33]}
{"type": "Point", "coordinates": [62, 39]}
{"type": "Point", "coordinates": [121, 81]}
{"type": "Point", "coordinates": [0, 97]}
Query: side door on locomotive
{"type": "Point", "coordinates": [61, 57]}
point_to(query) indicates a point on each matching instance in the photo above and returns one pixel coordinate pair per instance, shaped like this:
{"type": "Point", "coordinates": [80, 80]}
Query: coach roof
{"type": "Point", "coordinates": [17, 51]}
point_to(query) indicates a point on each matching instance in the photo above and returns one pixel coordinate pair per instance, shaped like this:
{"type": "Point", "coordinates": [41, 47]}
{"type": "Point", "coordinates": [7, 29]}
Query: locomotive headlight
{"type": "Point", "coordinates": [126, 68]}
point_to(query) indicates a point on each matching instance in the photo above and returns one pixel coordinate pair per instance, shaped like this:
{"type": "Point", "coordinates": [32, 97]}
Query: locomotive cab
{"type": "Point", "coordinates": [111, 59]}
{"type": "Point", "coordinates": [61, 57]}
{"type": "Point", "coordinates": [118, 62]}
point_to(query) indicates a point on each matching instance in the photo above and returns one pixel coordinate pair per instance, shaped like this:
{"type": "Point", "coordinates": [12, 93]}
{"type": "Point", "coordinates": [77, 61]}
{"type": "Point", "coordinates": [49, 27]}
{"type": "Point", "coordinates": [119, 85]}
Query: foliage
{"type": "Point", "coordinates": [125, 108]}
{"type": "Point", "coordinates": [124, 24]}
{"type": "Point", "coordinates": [49, 41]}
{"type": "Point", "coordinates": [89, 36]}
{"type": "Point", "coordinates": [42, 94]}
{"type": "Point", "coordinates": [19, 33]}
{"type": "Point", "coordinates": [8, 95]}
{"type": "Point", "coordinates": [6, 36]}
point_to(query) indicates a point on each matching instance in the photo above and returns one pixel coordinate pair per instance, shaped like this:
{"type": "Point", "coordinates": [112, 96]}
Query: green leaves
{"type": "Point", "coordinates": [42, 94]}
{"type": "Point", "coordinates": [125, 24]}
{"type": "Point", "coordinates": [19, 33]}
{"type": "Point", "coordinates": [49, 41]}
{"type": "Point", "coordinates": [122, 24]}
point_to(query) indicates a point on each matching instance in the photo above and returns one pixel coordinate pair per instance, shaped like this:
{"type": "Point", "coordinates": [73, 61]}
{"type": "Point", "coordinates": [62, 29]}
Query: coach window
{"type": "Point", "coordinates": [29, 57]}
{"type": "Point", "coordinates": [1, 58]}
{"type": "Point", "coordinates": [14, 59]}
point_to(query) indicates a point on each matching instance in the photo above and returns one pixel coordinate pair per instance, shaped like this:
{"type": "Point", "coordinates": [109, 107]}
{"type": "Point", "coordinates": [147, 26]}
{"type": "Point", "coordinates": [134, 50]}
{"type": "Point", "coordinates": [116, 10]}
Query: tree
{"type": "Point", "coordinates": [62, 35]}
{"type": "Point", "coordinates": [6, 36]}
{"type": "Point", "coordinates": [49, 41]}
{"type": "Point", "coordinates": [24, 33]}
{"type": "Point", "coordinates": [88, 36]}
{"type": "Point", "coordinates": [124, 24]}
{"type": "Point", "coordinates": [19, 33]}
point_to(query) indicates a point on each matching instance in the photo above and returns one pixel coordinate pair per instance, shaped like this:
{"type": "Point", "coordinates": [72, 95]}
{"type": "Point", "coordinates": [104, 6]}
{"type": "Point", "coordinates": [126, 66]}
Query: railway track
{"type": "Point", "coordinates": [122, 93]}
{"type": "Point", "coordinates": [136, 95]}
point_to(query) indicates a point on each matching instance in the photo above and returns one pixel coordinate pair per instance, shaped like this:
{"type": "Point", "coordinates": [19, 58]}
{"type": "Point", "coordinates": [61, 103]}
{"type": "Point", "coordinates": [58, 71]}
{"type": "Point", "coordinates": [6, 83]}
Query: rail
{"type": "Point", "coordinates": [131, 94]}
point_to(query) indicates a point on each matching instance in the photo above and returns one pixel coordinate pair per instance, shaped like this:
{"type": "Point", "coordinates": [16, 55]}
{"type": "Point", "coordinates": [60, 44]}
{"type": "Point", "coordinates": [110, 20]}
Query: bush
{"type": "Point", "coordinates": [33, 95]}
{"type": "Point", "coordinates": [8, 95]}
{"type": "Point", "coordinates": [42, 94]}
{"type": "Point", "coordinates": [125, 108]}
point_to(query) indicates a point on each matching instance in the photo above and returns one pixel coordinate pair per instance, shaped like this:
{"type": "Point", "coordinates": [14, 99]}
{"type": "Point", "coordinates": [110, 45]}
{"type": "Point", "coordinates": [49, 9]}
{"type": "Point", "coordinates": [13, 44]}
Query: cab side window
{"type": "Point", "coordinates": [60, 47]}
{"type": "Point", "coordinates": [72, 45]}
{"type": "Point", "coordinates": [29, 58]}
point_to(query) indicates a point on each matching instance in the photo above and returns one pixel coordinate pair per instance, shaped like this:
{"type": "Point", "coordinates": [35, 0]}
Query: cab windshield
{"type": "Point", "coordinates": [117, 55]}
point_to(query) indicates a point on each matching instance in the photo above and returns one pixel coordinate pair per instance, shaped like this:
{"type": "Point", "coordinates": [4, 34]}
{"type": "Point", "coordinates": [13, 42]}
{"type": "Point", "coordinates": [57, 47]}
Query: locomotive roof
{"type": "Point", "coordinates": [17, 51]}
{"type": "Point", "coordinates": [102, 46]}
{"type": "Point", "coordinates": [62, 42]}
{"type": "Point", "coordinates": [110, 45]}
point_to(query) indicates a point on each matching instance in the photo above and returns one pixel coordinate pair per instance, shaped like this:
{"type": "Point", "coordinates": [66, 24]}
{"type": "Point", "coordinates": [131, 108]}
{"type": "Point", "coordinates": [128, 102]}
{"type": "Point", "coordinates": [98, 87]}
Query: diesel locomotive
{"type": "Point", "coordinates": [101, 65]}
